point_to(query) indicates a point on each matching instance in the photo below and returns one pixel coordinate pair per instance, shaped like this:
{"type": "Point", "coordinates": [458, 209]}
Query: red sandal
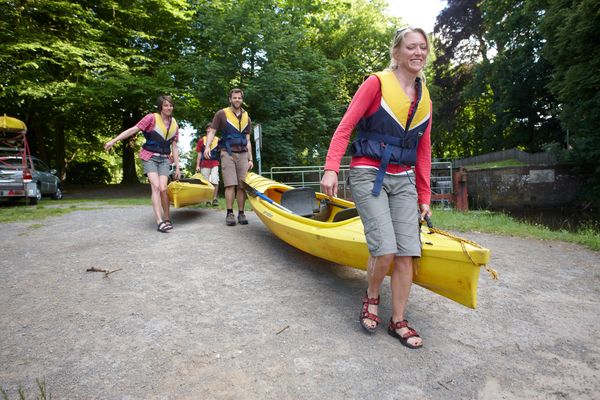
{"type": "Point", "coordinates": [365, 314]}
{"type": "Point", "coordinates": [403, 338]}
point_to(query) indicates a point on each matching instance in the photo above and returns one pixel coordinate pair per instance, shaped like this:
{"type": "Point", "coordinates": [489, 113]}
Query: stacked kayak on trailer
{"type": "Point", "coordinates": [330, 228]}
{"type": "Point", "coordinates": [190, 191]}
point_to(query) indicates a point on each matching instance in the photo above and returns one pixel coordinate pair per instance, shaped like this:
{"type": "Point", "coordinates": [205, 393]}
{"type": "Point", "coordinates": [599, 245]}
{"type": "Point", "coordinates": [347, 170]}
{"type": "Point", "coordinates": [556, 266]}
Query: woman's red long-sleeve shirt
{"type": "Point", "coordinates": [365, 103]}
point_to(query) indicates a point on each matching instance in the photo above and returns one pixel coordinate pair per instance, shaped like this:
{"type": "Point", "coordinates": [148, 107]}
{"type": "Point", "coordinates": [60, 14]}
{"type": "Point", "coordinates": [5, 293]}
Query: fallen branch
{"type": "Point", "coordinates": [287, 326]}
{"type": "Point", "coordinates": [106, 272]}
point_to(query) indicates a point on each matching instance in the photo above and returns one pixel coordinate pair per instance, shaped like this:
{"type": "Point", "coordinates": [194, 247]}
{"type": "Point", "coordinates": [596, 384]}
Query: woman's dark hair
{"type": "Point", "coordinates": [161, 99]}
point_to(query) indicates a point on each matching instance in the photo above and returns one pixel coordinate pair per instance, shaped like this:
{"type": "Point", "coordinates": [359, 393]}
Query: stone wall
{"type": "Point", "coordinates": [542, 158]}
{"type": "Point", "coordinates": [518, 187]}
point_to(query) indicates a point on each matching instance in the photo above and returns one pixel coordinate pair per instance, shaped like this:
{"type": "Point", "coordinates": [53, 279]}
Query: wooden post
{"type": "Point", "coordinates": [459, 181]}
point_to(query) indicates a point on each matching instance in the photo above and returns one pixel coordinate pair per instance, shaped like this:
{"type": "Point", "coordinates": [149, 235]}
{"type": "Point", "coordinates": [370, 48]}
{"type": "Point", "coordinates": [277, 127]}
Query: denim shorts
{"type": "Point", "coordinates": [157, 164]}
{"type": "Point", "coordinates": [391, 220]}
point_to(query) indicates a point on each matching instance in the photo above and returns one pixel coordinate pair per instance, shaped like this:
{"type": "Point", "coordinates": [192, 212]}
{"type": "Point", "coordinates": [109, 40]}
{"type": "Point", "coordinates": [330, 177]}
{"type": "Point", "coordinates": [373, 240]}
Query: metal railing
{"type": "Point", "coordinates": [441, 183]}
{"type": "Point", "coordinates": [310, 175]}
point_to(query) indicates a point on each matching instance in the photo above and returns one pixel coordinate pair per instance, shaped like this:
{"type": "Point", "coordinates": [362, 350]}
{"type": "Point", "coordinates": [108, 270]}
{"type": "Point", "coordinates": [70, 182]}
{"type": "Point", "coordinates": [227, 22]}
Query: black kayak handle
{"type": "Point", "coordinates": [428, 220]}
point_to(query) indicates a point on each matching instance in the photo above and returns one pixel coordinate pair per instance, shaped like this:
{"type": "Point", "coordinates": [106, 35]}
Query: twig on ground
{"type": "Point", "coordinates": [106, 272]}
{"type": "Point", "coordinates": [284, 328]}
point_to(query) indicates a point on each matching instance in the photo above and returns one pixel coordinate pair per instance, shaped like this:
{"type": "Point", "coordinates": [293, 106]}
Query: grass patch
{"type": "Point", "coordinates": [496, 164]}
{"type": "Point", "coordinates": [125, 201]}
{"type": "Point", "coordinates": [28, 213]}
{"type": "Point", "coordinates": [21, 213]}
{"type": "Point", "coordinates": [502, 224]}
{"type": "Point", "coordinates": [43, 392]}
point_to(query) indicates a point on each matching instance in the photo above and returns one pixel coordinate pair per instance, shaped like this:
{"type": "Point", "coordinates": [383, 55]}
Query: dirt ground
{"type": "Point", "coordinates": [216, 312]}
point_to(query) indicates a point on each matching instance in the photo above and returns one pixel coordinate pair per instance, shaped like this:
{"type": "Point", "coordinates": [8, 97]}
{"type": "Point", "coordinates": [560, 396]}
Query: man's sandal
{"type": "Point", "coordinates": [169, 224]}
{"type": "Point", "coordinates": [411, 333]}
{"type": "Point", "coordinates": [163, 227]}
{"type": "Point", "coordinates": [365, 314]}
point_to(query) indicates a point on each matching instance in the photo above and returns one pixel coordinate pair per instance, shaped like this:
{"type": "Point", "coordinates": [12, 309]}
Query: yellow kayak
{"type": "Point", "coordinates": [12, 132]}
{"type": "Point", "coordinates": [331, 229]}
{"type": "Point", "coordinates": [194, 190]}
{"type": "Point", "coordinates": [10, 124]}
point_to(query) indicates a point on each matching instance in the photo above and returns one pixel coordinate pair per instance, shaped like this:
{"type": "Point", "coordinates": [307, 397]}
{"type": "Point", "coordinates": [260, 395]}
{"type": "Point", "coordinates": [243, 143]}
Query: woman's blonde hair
{"type": "Point", "coordinates": [397, 41]}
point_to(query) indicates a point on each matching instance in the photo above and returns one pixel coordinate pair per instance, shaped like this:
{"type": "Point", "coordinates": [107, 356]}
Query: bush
{"type": "Point", "coordinates": [87, 172]}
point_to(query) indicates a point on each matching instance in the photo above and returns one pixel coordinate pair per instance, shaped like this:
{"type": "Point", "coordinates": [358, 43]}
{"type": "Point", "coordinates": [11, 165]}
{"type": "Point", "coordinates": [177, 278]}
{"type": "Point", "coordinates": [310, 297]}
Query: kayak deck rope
{"type": "Point", "coordinates": [493, 273]}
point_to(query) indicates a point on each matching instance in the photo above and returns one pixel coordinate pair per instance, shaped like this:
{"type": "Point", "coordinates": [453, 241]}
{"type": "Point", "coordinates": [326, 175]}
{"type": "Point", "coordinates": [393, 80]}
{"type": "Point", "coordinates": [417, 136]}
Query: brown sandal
{"type": "Point", "coordinates": [365, 314]}
{"type": "Point", "coordinates": [403, 338]}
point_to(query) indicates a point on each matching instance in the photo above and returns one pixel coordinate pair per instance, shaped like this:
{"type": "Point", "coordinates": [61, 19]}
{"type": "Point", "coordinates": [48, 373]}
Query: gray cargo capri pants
{"type": "Point", "coordinates": [391, 220]}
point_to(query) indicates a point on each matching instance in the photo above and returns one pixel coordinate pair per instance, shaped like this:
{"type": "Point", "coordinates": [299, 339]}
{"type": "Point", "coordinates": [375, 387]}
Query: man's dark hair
{"type": "Point", "coordinates": [236, 90]}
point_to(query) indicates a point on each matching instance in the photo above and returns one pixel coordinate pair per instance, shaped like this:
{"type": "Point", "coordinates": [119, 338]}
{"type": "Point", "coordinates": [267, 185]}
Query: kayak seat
{"type": "Point", "coordinates": [301, 201]}
{"type": "Point", "coordinates": [324, 211]}
{"type": "Point", "coordinates": [191, 180]}
{"type": "Point", "coordinates": [345, 214]}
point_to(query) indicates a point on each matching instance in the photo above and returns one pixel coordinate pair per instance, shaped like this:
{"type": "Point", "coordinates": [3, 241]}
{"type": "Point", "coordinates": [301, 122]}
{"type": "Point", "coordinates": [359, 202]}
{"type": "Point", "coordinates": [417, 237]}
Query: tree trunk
{"type": "Point", "coordinates": [129, 172]}
{"type": "Point", "coordinates": [60, 149]}
{"type": "Point", "coordinates": [37, 136]}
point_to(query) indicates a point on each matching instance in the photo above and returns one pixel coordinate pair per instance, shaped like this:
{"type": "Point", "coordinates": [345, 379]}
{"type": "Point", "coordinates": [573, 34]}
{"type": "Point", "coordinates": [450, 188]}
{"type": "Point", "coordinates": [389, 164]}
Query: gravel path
{"type": "Point", "coordinates": [216, 312]}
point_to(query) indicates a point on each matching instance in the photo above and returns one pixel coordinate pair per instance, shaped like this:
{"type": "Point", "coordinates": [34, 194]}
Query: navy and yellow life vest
{"type": "Point", "coordinates": [391, 134]}
{"type": "Point", "coordinates": [160, 138]}
{"type": "Point", "coordinates": [233, 133]}
{"type": "Point", "coordinates": [214, 149]}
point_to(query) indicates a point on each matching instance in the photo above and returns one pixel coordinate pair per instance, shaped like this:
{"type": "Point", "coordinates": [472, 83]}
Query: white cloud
{"type": "Point", "coordinates": [421, 14]}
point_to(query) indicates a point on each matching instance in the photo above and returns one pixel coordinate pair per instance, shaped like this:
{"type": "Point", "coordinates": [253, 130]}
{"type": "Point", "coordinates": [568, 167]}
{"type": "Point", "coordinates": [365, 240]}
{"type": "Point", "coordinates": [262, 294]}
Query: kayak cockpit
{"type": "Point", "coordinates": [307, 203]}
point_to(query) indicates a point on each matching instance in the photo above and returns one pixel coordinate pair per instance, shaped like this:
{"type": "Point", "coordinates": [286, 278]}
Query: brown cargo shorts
{"type": "Point", "coordinates": [234, 167]}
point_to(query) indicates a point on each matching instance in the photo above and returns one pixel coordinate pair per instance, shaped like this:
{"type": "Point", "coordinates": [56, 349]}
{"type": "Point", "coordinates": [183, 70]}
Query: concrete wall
{"type": "Point", "coordinates": [542, 158]}
{"type": "Point", "coordinates": [517, 187]}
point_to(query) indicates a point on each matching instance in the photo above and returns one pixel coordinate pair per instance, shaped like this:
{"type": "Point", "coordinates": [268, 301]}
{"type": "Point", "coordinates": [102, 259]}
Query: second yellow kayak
{"type": "Point", "coordinates": [194, 190]}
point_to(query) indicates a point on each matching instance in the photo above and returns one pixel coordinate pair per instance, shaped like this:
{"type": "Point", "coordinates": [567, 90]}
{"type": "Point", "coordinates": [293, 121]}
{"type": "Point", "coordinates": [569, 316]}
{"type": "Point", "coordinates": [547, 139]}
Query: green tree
{"type": "Point", "coordinates": [298, 62]}
{"type": "Point", "coordinates": [526, 112]}
{"type": "Point", "coordinates": [571, 30]}
{"type": "Point", "coordinates": [460, 115]}
{"type": "Point", "coordinates": [67, 65]}
{"type": "Point", "coordinates": [47, 50]}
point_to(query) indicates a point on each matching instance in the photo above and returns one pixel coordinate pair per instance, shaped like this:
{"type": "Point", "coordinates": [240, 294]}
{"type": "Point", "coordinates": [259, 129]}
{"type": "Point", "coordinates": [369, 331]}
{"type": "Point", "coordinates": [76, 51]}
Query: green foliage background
{"type": "Point", "coordinates": [503, 73]}
{"type": "Point", "coordinates": [522, 74]}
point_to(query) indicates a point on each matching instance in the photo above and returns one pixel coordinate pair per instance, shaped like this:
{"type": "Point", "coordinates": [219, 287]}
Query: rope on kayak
{"type": "Point", "coordinates": [493, 273]}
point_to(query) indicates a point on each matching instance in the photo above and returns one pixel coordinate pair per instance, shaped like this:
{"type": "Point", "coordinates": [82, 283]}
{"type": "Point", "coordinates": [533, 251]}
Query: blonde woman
{"type": "Point", "coordinates": [389, 174]}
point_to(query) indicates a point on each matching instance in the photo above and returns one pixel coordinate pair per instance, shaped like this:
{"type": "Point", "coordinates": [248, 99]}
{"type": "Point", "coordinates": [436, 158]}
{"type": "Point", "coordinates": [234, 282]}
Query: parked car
{"type": "Point", "coordinates": [28, 178]}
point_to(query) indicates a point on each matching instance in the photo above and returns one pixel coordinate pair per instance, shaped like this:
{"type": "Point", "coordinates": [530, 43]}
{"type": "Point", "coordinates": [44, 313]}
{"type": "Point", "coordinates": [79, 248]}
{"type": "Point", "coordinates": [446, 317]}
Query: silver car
{"type": "Point", "coordinates": [28, 178]}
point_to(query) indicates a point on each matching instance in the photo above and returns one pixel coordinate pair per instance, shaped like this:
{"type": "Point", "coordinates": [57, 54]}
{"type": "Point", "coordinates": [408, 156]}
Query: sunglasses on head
{"type": "Point", "coordinates": [399, 31]}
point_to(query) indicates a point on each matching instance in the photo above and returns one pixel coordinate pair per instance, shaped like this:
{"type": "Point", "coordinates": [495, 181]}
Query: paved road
{"type": "Point", "coordinates": [215, 312]}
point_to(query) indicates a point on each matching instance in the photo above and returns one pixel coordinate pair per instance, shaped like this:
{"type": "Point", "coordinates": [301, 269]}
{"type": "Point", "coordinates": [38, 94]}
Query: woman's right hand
{"type": "Point", "coordinates": [109, 144]}
{"type": "Point", "coordinates": [329, 183]}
